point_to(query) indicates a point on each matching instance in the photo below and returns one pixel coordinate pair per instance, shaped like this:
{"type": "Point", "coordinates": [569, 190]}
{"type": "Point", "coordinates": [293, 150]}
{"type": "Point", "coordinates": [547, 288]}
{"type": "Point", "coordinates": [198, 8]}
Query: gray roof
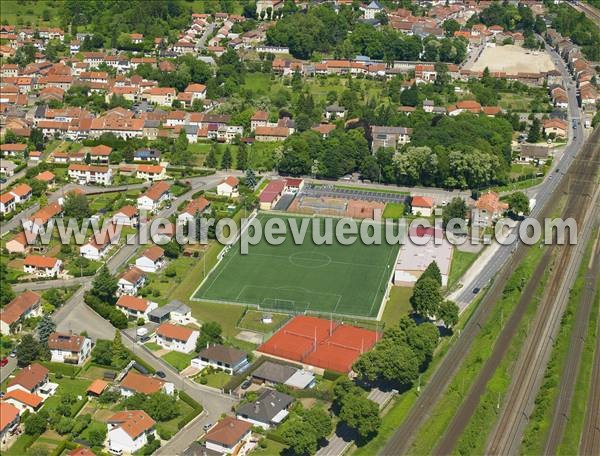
{"type": "Point", "coordinates": [191, 129]}
{"type": "Point", "coordinates": [177, 306]}
{"type": "Point", "coordinates": [7, 164]}
{"type": "Point", "coordinates": [269, 404]}
{"type": "Point", "coordinates": [159, 312]}
{"type": "Point", "coordinates": [228, 355]}
{"type": "Point", "coordinates": [274, 372]}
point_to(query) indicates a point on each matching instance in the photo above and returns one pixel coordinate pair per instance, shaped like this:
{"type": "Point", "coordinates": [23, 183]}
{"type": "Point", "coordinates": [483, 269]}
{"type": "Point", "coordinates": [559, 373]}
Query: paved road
{"type": "Point", "coordinates": [435, 388]}
{"type": "Point", "coordinates": [8, 369]}
{"type": "Point", "coordinates": [489, 270]}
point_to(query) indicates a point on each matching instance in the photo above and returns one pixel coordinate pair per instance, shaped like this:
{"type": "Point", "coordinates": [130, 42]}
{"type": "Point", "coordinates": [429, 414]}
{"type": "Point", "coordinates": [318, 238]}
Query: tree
{"type": "Point", "coordinates": [455, 209]}
{"type": "Point", "coordinates": [36, 423]}
{"type": "Point", "coordinates": [120, 356]}
{"type": "Point", "coordinates": [320, 420]}
{"type": "Point", "coordinates": [102, 352]}
{"type": "Point", "coordinates": [210, 334]}
{"type": "Point", "coordinates": [361, 414]}
{"type": "Point", "coordinates": [450, 26]}
{"type": "Point", "coordinates": [76, 205]}
{"type": "Point", "coordinates": [241, 161]}
{"type": "Point", "coordinates": [226, 159]}
{"type": "Point", "coordinates": [37, 187]}
{"type": "Point", "coordinates": [161, 407]}
{"type": "Point", "coordinates": [300, 437]}
{"type": "Point", "coordinates": [180, 153]}
{"type": "Point", "coordinates": [96, 436]}
{"type": "Point", "coordinates": [535, 133]}
{"type": "Point", "coordinates": [448, 312]}
{"type": "Point", "coordinates": [426, 297]}
{"type": "Point", "coordinates": [250, 179]}
{"type": "Point", "coordinates": [433, 272]}
{"type": "Point", "coordinates": [45, 327]}
{"type": "Point", "coordinates": [36, 138]}
{"type": "Point", "coordinates": [28, 350]}
{"type": "Point", "coordinates": [104, 285]}
{"type": "Point", "coordinates": [518, 203]}
{"type": "Point", "coordinates": [6, 292]}
{"type": "Point", "coordinates": [410, 96]}
{"type": "Point", "coordinates": [211, 157]}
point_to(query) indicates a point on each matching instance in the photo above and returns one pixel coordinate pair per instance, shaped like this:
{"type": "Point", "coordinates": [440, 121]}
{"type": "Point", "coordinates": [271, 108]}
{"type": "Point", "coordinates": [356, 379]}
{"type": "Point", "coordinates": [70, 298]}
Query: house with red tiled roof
{"type": "Point", "coordinates": [23, 400]}
{"type": "Point", "coordinates": [82, 451]}
{"type": "Point", "coordinates": [69, 348]}
{"type": "Point", "coordinates": [24, 306]}
{"type": "Point", "coordinates": [127, 215]}
{"type": "Point", "coordinates": [131, 281]}
{"type": "Point", "coordinates": [90, 174]}
{"type": "Point", "coordinates": [31, 379]}
{"type": "Point", "coordinates": [271, 194]}
{"type": "Point", "coordinates": [129, 431]}
{"type": "Point", "coordinates": [135, 307]}
{"type": "Point", "coordinates": [8, 203]}
{"type": "Point", "coordinates": [100, 154]}
{"type": "Point", "coordinates": [177, 338]}
{"type": "Point", "coordinates": [229, 436]}
{"type": "Point", "coordinates": [151, 173]}
{"type": "Point", "coordinates": [13, 150]}
{"type": "Point", "coordinates": [556, 127]}
{"type": "Point", "coordinates": [137, 383]}
{"type": "Point", "coordinates": [22, 193]}
{"type": "Point", "coordinates": [18, 243]}
{"type": "Point", "coordinates": [198, 205]}
{"type": "Point", "coordinates": [42, 266]}
{"type": "Point", "coordinates": [151, 260]}
{"type": "Point", "coordinates": [39, 220]}
{"type": "Point", "coordinates": [154, 197]}
{"type": "Point", "coordinates": [229, 187]}
{"type": "Point", "coordinates": [9, 421]}
{"type": "Point", "coordinates": [422, 206]}
{"type": "Point", "coordinates": [97, 387]}
{"type": "Point", "coordinates": [100, 243]}
{"type": "Point", "coordinates": [487, 209]}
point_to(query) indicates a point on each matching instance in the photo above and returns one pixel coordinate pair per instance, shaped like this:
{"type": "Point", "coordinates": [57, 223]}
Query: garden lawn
{"type": "Point", "coordinates": [393, 211]}
{"type": "Point", "coordinates": [217, 379]}
{"type": "Point", "coordinates": [178, 360]}
{"type": "Point", "coordinates": [252, 321]}
{"type": "Point", "coordinates": [461, 262]}
{"type": "Point", "coordinates": [152, 346]}
{"type": "Point", "coordinates": [397, 306]}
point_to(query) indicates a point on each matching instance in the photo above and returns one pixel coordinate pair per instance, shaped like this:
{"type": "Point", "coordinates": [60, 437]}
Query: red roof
{"type": "Point", "coordinates": [272, 191]}
{"type": "Point", "coordinates": [228, 432]}
{"type": "Point", "coordinates": [46, 176]}
{"type": "Point", "coordinates": [18, 306]}
{"type": "Point", "coordinates": [232, 181]}
{"type": "Point", "coordinates": [157, 190]}
{"type": "Point", "coordinates": [38, 261]}
{"type": "Point", "coordinates": [101, 150]}
{"type": "Point", "coordinates": [128, 211]}
{"type": "Point", "coordinates": [177, 332]}
{"type": "Point", "coordinates": [133, 303]}
{"type": "Point", "coordinates": [154, 253]}
{"type": "Point", "coordinates": [153, 169]}
{"type": "Point", "coordinates": [422, 201]}
{"type": "Point", "coordinates": [32, 400]}
{"type": "Point", "coordinates": [8, 414]}
{"type": "Point", "coordinates": [141, 384]}
{"type": "Point", "coordinates": [30, 376]}
{"type": "Point", "coordinates": [97, 386]}
{"type": "Point", "coordinates": [133, 274]}
{"type": "Point", "coordinates": [133, 422]}
{"type": "Point", "coordinates": [21, 190]}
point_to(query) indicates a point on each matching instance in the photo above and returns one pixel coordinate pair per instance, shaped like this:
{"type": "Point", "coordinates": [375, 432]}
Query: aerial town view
{"type": "Point", "coordinates": [299, 227]}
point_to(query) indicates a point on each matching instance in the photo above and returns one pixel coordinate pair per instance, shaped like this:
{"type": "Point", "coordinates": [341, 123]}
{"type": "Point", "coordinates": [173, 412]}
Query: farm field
{"type": "Point", "coordinates": [336, 278]}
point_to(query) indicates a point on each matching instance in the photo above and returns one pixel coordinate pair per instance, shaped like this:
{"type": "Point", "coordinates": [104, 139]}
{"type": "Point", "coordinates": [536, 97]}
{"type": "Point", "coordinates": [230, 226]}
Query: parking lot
{"type": "Point", "coordinates": [330, 191]}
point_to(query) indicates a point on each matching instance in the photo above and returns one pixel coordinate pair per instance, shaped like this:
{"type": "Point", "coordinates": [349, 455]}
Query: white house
{"type": "Point", "coordinates": [31, 379]}
{"type": "Point", "coordinates": [10, 421]}
{"type": "Point", "coordinates": [371, 10]}
{"type": "Point", "coordinates": [127, 215]}
{"type": "Point", "coordinates": [99, 244]}
{"type": "Point", "coordinates": [8, 203]}
{"type": "Point", "coordinates": [229, 436]}
{"type": "Point", "coordinates": [229, 359]}
{"type": "Point", "coordinates": [42, 266]}
{"type": "Point", "coordinates": [22, 193]}
{"type": "Point", "coordinates": [22, 307]}
{"type": "Point", "coordinates": [135, 307]}
{"type": "Point", "coordinates": [69, 348]}
{"type": "Point", "coordinates": [229, 187]}
{"type": "Point", "coordinates": [199, 205]}
{"type": "Point", "coordinates": [131, 281]}
{"type": "Point", "coordinates": [151, 173]}
{"type": "Point", "coordinates": [154, 197]}
{"type": "Point", "coordinates": [422, 206]}
{"type": "Point", "coordinates": [138, 383]}
{"type": "Point", "coordinates": [151, 260]}
{"type": "Point", "coordinates": [128, 431]}
{"type": "Point", "coordinates": [90, 174]}
{"type": "Point", "coordinates": [23, 400]}
{"type": "Point", "coordinates": [177, 338]}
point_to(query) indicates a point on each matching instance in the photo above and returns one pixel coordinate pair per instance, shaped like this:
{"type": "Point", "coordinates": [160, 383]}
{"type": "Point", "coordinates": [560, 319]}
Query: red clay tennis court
{"type": "Point", "coordinates": [320, 343]}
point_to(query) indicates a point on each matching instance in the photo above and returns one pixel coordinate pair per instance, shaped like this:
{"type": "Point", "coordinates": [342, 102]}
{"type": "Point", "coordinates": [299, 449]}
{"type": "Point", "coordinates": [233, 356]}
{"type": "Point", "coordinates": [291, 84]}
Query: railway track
{"type": "Point", "coordinates": [568, 380]}
{"type": "Point", "coordinates": [583, 207]}
{"type": "Point", "coordinates": [590, 438]}
{"type": "Point", "coordinates": [506, 437]}
{"type": "Point", "coordinates": [589, 11]}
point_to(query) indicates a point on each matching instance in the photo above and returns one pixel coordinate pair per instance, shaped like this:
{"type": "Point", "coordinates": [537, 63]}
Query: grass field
{"type": "Point", "coordinates": [342, 279]}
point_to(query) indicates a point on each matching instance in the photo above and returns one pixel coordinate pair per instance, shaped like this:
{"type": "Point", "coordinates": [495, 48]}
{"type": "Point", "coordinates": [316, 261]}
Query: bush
{"type": "Point", "coordinates": [163, 433]}
{"type": "Point", "coordinates": [331, 375]}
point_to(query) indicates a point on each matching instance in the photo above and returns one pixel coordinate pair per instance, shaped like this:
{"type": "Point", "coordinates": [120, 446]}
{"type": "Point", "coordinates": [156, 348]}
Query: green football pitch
{"type": "Point", "coordinates": [341, 279]}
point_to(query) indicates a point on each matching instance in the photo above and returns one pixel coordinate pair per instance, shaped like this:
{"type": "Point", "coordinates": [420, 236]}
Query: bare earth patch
{"type": "Point", "coordinates": [513, 59]}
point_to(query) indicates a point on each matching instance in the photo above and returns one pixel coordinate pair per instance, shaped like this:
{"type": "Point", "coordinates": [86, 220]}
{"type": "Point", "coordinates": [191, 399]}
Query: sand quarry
{"type": "Point", "coordinates": [513, 59]}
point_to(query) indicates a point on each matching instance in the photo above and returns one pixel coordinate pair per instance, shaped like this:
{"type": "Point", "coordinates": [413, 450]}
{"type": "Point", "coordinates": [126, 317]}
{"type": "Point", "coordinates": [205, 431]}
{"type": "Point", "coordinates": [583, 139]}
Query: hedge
{"type": "Point", "coordinates": [276, 438]}
{"type": "Point", "coordinates": [139, 360]}
{"type": "Point", "coordinates": [61, 368]}
{"type": "Point", "coordinates": [62, 446]}
{"type": "Point", "coordinates": [331, 375]}
{"type": "Point", "coordinates": [197, 408]}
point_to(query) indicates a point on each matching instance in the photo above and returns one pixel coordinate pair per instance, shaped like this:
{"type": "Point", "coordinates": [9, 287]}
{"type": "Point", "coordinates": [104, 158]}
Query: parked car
{"type": "Point", "coordinates": [207, 426]}
{"type": "Point", "coordinates": [160, 374]}
{"type": "Point", "coordinates": [246, 384]}
{"type": "Point", "coordinates": [4, 362]}
{"type": "Point", "coordinates": [476, 290]}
